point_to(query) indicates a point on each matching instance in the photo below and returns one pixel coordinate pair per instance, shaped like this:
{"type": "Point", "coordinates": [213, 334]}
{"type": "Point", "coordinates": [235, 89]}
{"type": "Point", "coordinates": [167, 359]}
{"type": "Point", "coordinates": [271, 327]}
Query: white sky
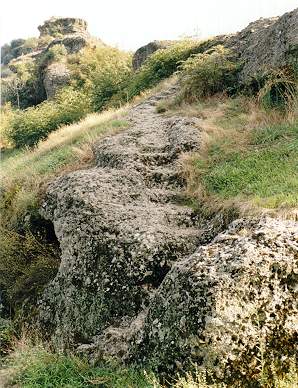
{"type": "Point", "coordinates": [130, 24]}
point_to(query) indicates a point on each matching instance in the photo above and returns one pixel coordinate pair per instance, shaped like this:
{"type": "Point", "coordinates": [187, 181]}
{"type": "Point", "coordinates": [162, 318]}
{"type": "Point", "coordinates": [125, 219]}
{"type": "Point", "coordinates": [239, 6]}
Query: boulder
{"type": "Point", "coordinates": [56, 75]}
{"type": "Point", "coordinates": [231, 303]}
{"type": "Point", "coordinates": [144, 52]}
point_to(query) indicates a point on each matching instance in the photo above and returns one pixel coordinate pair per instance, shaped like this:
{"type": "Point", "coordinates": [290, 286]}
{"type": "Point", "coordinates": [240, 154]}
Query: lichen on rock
{"type": "Point", "coordinates": [232, 302]}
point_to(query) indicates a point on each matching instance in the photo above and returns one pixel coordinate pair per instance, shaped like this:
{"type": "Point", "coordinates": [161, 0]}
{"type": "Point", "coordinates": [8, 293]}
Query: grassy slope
{"type": "Point", "coordinates": [249, 157]}
{"type": "Point", "coordinates": [23, 172]}
{"type": "Point", "coordinates": [264, 173]}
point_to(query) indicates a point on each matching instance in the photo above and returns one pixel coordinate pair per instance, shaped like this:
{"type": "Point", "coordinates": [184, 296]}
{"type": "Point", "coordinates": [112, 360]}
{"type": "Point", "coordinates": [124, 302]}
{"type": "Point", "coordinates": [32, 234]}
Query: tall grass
{"type": "Point", "coordinates": [34, 366]}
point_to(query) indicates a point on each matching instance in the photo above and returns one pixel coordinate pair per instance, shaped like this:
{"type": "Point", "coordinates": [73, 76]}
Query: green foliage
{"type": "Point", "coordinates": [265, 172]}
{"type": "Point", "coordinates": [158, 66]}
{"type": "Point", "coordinates": [30, 44]}
{"type": "Point", "coordinates": [205, 74]}
{"type": "Point", "coordinates": [44, 40]}
{"type": "Point", "coordinates": [33, 124]}
{"type": "Point", "coordinates": [26, 265]}
{"type": "Point", "coordinates": [279, 89]}
{"type": "Point", "coordinates": [55, 53]}
{"type": "Point", "coordinates": [37, 367]}
{"type": "Point", "coordinates": [7, 116]}
{"type": "Point", "coordinates": [6, 336]}
{"type": "Point", "coordinates": [16, 48]}
{"type": "Point", "coordinates": [101, 71]}
{"type": "Point", "coordinates": [22, 88]}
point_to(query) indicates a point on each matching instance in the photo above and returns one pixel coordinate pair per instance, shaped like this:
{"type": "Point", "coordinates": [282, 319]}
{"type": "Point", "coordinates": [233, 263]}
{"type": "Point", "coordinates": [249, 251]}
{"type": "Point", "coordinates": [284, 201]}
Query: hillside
{"type": "Point", "coordinates": [149, 211]}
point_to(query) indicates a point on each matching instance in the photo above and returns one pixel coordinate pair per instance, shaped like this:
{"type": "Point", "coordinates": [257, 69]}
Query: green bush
{"type": "Point", "coordinates": [33, 124]}
{"type": "Point", "coordinates": [160, 65]}
{"type": "Point", "coordinates": [23, 88]}
{"type": "Point", "coordinates": [54, 54]}
{"type": "Point", "coordinates": [205, 74]}
{"type": "Point", "coordinates": [101, 71]}
{"type": "Point", "coordinates": [7, 116]}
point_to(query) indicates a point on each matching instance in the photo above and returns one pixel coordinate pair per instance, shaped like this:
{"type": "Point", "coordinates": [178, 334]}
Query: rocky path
{"type": "Point", "coordinates": [120, 225]}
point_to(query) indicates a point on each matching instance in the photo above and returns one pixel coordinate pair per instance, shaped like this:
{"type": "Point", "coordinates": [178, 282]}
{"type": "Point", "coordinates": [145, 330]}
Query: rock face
{"type": "Point", "coordinates": [133, 283]}
{"type": "Point", "coordinates": [62, 26]}
{"type": "Point", "coordinates": [225, 303]}
{"type": "Point", "coordinates": [142, 277]}
{"type": "Point", "coordinates": [144, 52]}
{"type": "Point", "coordinates": [56, 76]}
{"type": "Point", "coordinates": [120, 226]}
{"type": "Point", "coordinates": [266, 43]}
{"type": "Point", "coordinates": [263, 44]}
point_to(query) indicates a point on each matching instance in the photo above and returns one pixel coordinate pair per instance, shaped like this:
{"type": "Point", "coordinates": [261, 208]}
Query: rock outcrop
{"type": "Point", "coordinates": [262, 45]}
{"type": "Point", "coordinates": [143, 277]}
{"type": "Point", "coordinates": [144, 52]}
{"type": "Point", "coordinates": [69, 33]}
{"type": "Point", "coordinates": [266, 44]}
{"type": "Point", "coordinates": [139, 278]}
{"type": "Point", "coordinates": [56, 75]}
{"type": "Point", "coordinates": [230, 303]}
{"type": "Point", "coordinates": [120, 226]}
{"type": "Point", "coordinates": [62, 26]}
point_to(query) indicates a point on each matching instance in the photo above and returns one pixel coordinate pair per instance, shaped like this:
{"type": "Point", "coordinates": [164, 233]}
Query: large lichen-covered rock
{"type": "Point", "coordinates": [266, 44]}
{"type": "Point", "coordinates": [56, 76]}
{"type": "Point", "coordinates": [229, 304]}
{"type": "Point", "coordinates": [120, 227]}
{"type": "Point", "coordinates": [62, 26]}
{"type": "Point", "coordinates": [144, 52]}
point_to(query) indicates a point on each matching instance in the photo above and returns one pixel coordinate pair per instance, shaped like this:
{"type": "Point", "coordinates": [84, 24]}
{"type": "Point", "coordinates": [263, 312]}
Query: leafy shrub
{"type": "Point", "coordinates": [101, 71]}
{"type": "Point", "coordinates": [33, 124]}
{"type": "Point", "coordinates": [23, 88]}
{"type": "Point", "coordinates": [280, 89]}
{"type": "Point", "coordinates": [30, 44]}
{"type": "Point", "coordinates": [54, 54]}
{"type": "Point", "coordinates": [208, 73]}
{"type": "Point", "coordinates": [161, 65]}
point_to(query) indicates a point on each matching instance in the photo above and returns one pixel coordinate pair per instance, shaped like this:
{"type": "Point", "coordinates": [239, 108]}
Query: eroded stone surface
{"type": "Point", "coordinates": [266, 44]}
{"type": "Point", "coordinates": [55, 26]}
{"type": "Point", "coordinates": [228, 302]}
{"type": "Point", "coordinates": [119, 225]}
{"type": "Point", "coordinates": [56, 76]}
